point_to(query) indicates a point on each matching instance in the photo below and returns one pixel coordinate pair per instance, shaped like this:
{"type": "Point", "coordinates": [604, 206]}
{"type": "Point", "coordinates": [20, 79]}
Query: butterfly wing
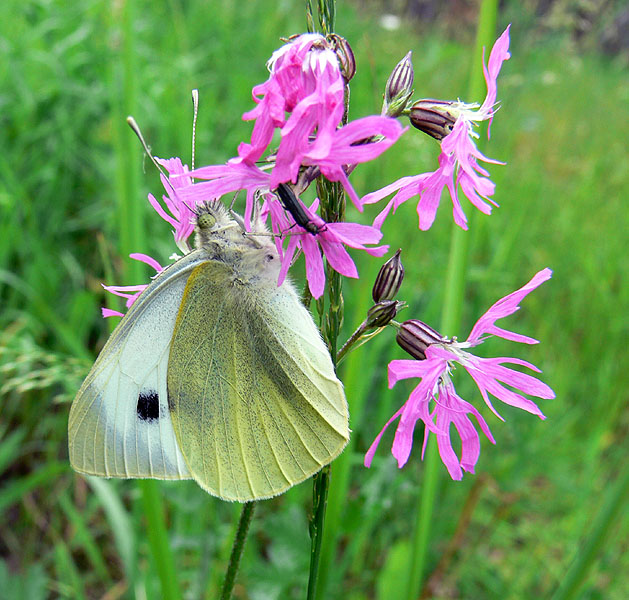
{"type": "Point", "coordinates": [119, 424]}
{"type": "Point", "coordinates": [254, 399]}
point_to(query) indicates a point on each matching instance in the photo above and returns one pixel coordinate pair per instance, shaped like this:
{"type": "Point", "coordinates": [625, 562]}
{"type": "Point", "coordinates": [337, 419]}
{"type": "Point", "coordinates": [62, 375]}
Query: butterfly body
{"type": "Point", "coordinates": [215, 374]}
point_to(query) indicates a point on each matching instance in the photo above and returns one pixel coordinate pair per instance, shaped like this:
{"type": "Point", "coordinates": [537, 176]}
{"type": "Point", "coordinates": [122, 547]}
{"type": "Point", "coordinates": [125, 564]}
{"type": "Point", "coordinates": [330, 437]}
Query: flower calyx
{"type": "Point", "coordinates": [415, 336]}
{"type": "Point", "coordinates": [382, 313]}
{"type": "Point", "coordinates": [434, 117]}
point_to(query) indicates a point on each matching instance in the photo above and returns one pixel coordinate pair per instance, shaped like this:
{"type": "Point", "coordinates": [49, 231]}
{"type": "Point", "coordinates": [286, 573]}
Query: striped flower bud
{"type": "Point", "coordinates": [415, 336]}
{"type": "Point", "coordinates": [399, 87]}
{"type": "Point", "coordinates": [344, 54]}
{"type": "Point", "coordinates": [381, 313]}
{"type": "Point", "coordinates": [433, 117]}
{"type": "Point", "coordinates": [389, 279]}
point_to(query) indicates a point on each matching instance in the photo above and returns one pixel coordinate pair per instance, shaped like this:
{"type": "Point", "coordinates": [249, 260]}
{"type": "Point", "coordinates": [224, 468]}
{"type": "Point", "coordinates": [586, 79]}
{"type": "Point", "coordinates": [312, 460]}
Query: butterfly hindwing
{"type": "Point", "coordinates": [119, 424]}
{"type": "Point", "coordinates": [254, 400]}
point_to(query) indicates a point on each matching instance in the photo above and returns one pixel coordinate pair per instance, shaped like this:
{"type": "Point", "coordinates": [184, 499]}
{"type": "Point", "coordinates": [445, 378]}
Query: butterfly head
{"type": "Point", "coordinates": [223, 234]}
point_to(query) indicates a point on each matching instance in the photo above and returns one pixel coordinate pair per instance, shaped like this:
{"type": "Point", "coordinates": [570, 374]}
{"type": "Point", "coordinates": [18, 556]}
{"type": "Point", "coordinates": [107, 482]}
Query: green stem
{"type": "Point", "coordinates": [321, 484]}
{"type": "Point", "coordinates": [347, 346]}
{"type": "Point", "coordinates": [237, 550]}
{"type": "Point", "coordinates": [450, 323]}
{"type": "Point", "coordinates": [158, 539]}
{"type": "Point", "coordinates": [588, 552]}
{"type": "Point", "coordinates": [355, 381]}
{"type": "Point", "coordinates": [332, 200]}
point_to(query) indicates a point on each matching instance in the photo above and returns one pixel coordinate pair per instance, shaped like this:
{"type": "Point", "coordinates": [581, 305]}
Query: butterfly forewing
{"type": "Point", "coordinates": [119, 424]}
{"type": "Point", "coordinates": [254, 400]}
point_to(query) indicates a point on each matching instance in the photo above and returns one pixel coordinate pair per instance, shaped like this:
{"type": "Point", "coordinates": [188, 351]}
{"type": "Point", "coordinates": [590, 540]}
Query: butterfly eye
{"type": "Point", "coordinates": [206, 221]}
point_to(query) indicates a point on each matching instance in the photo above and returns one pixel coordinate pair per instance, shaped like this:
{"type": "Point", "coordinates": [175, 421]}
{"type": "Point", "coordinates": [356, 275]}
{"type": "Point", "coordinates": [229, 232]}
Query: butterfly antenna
{"type": "Point", "coordinates": [195, 114]}
{"type": "Point", "coordinates": [136, 129]}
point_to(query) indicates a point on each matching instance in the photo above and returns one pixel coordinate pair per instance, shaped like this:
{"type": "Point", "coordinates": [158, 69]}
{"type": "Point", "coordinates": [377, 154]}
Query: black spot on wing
{"type": "Point", "coordinates": [148, 406]}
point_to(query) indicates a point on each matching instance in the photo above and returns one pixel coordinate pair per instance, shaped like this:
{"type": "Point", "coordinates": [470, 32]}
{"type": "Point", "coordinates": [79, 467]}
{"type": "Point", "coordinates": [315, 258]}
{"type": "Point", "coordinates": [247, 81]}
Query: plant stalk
{"type": "Point", "coordinates": [332, 199]}
{"type": "Point", "coordinates": [320, 487]}
{"type": "Point", "coordinates": [450, 323]}
{"type": "Point", "coordinates": [237, 549]}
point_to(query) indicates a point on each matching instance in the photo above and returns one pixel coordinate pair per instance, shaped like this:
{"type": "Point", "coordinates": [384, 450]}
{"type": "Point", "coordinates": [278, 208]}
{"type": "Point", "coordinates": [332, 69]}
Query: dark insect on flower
{"type": "Point", "coordinates": [291, 203]}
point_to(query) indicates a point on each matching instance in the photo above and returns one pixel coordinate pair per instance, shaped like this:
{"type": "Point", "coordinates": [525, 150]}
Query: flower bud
{"type": "Point", "coordinates": [381, 313]}
{"type": "Point", "coordinates": [433, 117]}
{"type": "Point", "coordinates": [399, 87]}
{"type": "Point", "coordinates": [414, 337]}
{"type": "Point", "coordinates": [345, 56]}
{"type": "Point", "coordinates": [389, 279]}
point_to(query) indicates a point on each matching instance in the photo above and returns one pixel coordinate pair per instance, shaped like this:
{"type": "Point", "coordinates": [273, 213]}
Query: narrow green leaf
{"type": "Point", "coordinates": [10, 447]}
{"type": "Point", "coordinates": [120, 523]}
{"type": "Point", "coordinates": [83, 537]}
{"type": "Point", "coordinates": [14, 490]}
{"type": "Point", "coordinates": [67, 571]}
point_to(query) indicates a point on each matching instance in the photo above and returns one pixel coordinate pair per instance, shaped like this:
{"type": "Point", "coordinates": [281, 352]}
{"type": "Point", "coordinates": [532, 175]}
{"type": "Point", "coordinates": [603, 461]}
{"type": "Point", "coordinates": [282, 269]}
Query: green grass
{"type": "Point", "coordinates": [520, 520]}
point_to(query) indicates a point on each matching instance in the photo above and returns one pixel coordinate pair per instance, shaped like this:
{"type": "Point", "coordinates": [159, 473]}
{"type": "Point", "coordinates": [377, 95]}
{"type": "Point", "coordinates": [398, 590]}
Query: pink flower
{"type": "Point", "coordinates": [181, 216]}
{"type": "Point", "coordinates": [334, 150]}
{"type": "Point", "coordinates": [130, 292]}
{"type": "Point", "coordinates": [306, 82]}
{"type": "Point", "coordinates": [304, 98]}
{"type": "Point", "coordinates": [458, 161]}
{"type": "Point", "coordinates": [436, 359]}
{"type": "Point", "coordinates": [329, 238]}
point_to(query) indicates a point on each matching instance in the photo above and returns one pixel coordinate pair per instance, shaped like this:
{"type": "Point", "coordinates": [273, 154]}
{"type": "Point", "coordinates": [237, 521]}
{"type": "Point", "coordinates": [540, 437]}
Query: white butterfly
{"type": "Point", "coordinates": [215, 374]}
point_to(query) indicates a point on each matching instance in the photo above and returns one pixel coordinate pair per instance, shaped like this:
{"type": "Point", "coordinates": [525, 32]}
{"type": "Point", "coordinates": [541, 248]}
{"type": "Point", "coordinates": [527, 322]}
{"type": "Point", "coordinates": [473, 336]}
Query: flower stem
{"type": "Point", "coordinates": [354, 380]}
{"type": "Point", "coordinates": [450, 322]}
{"type": "Point", "coordinates": [332, 200]}
{"type": "Point", "coordinates": [356, 340]}
{"type": "Point", "coordinates": [237, 550]}
{"type": "Point", "coordinates": [347, 346]}
{"type": "Point", "coordinates": [321, 484]}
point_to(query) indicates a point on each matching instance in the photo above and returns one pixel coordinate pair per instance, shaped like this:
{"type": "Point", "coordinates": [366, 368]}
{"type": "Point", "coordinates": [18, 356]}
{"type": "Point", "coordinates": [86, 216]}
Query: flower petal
{"type": "Point", "coordinates": [505, 307]}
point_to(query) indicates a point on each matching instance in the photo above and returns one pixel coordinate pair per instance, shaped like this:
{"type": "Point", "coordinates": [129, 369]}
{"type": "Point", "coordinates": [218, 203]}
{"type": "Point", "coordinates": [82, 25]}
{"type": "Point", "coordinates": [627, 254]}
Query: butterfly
{"type": "Point", "coordinates": [215, 374]}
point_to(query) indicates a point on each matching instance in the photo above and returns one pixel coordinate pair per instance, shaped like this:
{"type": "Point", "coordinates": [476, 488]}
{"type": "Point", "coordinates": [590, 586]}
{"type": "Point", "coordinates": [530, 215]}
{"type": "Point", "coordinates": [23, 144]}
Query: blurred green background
{"type": "Point", "coordinates": [69, 75]}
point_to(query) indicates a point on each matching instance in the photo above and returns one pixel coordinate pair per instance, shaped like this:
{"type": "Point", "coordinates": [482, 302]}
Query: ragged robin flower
{"type": "Point", "coordinates": [435, 401]}
{"type": "Point", "coordinates": [453, 123]}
